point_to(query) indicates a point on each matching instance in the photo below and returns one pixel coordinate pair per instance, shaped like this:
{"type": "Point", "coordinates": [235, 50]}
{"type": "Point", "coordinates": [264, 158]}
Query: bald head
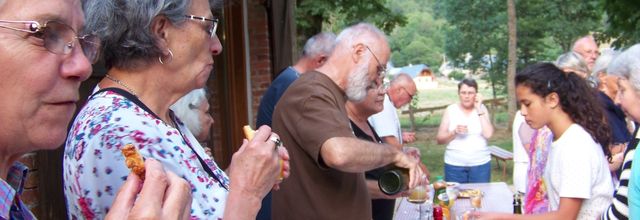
{"type": "Point", "coordinates": [402, 90]}
{"type": "Point", "coordinates": [587, 48]}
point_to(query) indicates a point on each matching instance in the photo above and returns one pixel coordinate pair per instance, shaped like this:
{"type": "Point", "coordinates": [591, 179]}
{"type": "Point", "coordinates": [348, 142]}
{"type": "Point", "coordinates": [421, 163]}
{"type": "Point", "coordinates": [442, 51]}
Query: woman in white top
{"type": "Point", "coordinates": [465, 128]}
{"type": "Point", "coordinates": [576, 175]}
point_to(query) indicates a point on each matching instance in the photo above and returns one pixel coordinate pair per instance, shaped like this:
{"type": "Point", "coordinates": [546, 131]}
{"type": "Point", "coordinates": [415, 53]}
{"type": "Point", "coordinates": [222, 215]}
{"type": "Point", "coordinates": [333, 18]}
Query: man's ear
{"type": "Point", "coordinates": [159, 29]}
{"type": "Point", "coordinates": [552, 100]}
{"type": "Point", "coordinates": [321, 60]}
{"type": "Point", "coordinates": [357, 52]}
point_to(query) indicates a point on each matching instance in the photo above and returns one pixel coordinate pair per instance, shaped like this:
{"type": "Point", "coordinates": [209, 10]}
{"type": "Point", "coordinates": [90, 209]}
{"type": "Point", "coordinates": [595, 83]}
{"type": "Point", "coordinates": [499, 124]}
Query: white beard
{"type": "Point", "coordinates": [357, 83]}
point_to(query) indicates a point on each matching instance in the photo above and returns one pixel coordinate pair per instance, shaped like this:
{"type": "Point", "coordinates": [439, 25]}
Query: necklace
{"type": "Point", "coordinates": [121, 83]}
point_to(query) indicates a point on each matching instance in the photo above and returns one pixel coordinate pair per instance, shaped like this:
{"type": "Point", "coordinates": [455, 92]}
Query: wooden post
{"type": "Point", "coordinates": [412, 119]}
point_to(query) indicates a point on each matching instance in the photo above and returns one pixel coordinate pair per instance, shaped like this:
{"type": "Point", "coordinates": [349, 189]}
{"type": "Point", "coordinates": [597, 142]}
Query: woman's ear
{"type": "Point", "coordinates": [552, 100]}
{"type": "Point", "coordinates": [160, 30]}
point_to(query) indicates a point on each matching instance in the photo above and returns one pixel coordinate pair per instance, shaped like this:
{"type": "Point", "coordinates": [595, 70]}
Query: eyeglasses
{"type": "Point", "coordinates": [382, 69]}
{"type": "Point", "coordinates": [58, 37]}
{"type": "Point", "coordinates": [408, 93]}
{"type": "Point", "coordinates": [375, 84]}
{"type": "Point", "coordinates": [211, 29]}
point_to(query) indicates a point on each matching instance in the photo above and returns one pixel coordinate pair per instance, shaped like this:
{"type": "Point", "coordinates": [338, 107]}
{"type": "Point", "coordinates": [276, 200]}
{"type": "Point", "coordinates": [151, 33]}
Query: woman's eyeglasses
{"type": "Point", "coordinates": [211, 30]}
{"type": "Point", "coordinates": [58, 37]}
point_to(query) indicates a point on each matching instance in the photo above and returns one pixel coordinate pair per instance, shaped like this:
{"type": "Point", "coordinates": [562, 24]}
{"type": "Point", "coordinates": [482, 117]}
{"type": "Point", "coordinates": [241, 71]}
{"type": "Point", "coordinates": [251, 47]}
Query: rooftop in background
{"type": "Point", "coordinates": [412, 70]}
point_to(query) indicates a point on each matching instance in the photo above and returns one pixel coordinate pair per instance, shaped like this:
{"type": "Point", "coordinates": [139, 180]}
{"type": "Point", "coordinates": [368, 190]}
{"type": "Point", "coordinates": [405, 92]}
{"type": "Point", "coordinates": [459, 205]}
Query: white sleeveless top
{"type": "Point", "coordinates": [470, 149]}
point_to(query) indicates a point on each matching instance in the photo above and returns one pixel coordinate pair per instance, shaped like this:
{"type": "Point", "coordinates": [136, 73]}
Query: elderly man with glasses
{"type": "Point", "coordinates": [401, 91]}
{"type": "Point", "coordinates": [311, 117]}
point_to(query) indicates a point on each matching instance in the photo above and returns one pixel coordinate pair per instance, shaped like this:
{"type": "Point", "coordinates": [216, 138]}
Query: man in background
{"type": "Point", "coordinates": [587, 47]}
{"type": "Point", "coordinates": [315, 52]}
{"type": "Point", "coordinates": [401, 91]}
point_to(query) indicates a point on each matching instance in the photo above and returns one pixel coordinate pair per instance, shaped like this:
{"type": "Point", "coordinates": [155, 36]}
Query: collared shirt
{"type": "Point", "coordinates": [11, 207]}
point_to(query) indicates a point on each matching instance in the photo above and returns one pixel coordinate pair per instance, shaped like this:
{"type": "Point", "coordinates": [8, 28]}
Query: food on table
{"type": "Point", "coordinates": [467, 193]}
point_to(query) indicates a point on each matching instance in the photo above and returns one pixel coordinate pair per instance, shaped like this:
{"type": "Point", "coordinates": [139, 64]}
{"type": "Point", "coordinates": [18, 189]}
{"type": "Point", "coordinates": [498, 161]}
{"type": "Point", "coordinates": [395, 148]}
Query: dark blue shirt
{"type": "Point", "coordinates": [273, 94]}
{"type": "Point", "coordinates": [615, 118]}
{"type": "Point", "coordinates": [265, 112]}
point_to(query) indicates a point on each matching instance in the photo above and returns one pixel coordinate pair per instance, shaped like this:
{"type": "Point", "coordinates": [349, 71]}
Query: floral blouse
{"type": "Point", "coordinates": [94, 167]}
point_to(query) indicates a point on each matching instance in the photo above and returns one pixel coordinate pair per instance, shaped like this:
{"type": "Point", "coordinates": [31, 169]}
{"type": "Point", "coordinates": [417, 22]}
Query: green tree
{"type": "Point", "coordinates": [623, 22]}
{"type": "Point", "coordinates": [314, 16]}
{"type": "Point", "coordinates": [421, 40]}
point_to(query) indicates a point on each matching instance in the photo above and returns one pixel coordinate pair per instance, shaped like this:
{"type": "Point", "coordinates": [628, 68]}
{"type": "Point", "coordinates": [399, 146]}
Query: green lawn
{"type": "Point", "coordinates": [427, 126]}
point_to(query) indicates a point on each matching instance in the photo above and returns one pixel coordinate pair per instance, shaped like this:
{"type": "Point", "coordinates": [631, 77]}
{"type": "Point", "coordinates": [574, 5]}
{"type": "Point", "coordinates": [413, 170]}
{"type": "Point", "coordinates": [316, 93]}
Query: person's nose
{"type": "Point", "coordinates": [216, 46]}
{"type": "Point", "coordinates": [76, 66]}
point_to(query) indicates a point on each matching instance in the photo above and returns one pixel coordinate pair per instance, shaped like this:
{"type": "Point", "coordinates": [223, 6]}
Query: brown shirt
{"type": "Point", "coordinates": [309, 113]}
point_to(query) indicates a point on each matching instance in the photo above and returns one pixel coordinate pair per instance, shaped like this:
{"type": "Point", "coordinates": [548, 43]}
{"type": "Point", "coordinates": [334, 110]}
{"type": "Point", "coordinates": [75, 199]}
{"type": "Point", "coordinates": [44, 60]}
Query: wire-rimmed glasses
{"type": "Point", "coordinates": [58, 37]}
{"type": "Point", "coordinates": [211, 30]}
{"type": "Point", "coordinates": [382, 69]}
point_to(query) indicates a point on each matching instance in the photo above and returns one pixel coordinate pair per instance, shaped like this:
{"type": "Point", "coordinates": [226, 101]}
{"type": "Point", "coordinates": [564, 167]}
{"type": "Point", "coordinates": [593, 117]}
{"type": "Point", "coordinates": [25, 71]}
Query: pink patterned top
{"type": "Point", "coordinates": [536, 199]}
{"type": "Point", "coordinates": [94, 167]}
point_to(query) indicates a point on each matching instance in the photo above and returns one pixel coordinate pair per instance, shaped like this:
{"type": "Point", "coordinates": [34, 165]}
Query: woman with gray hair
{"type": "Point", "coordinates": [193, 110]}
{"type": "Point", "coordinates": [608, 88]}
{"type": "Point", "coordinates": [573, 62]}
{"type": "Point", "coordinates": [156, 52]}
{"type": "Point", "coordinates": [626, 66]}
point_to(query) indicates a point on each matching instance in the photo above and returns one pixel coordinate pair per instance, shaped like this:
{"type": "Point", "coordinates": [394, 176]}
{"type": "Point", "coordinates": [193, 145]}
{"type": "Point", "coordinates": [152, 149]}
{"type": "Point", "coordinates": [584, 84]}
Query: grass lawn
{"type": "Point", "coordinates": [427, 127]}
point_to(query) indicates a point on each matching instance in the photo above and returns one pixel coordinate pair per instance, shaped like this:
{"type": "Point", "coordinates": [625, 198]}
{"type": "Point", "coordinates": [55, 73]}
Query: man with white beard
{"type": "Point", "coordinates": [328, 180]}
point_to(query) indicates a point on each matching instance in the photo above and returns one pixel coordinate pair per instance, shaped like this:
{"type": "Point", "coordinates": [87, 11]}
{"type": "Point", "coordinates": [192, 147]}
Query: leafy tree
{"type": "Point", "coordinates": [421, 40]}
{"type": "Point", "coordinates": [313, 16]}
{"type": "Point", "coordinates": [623, 22]}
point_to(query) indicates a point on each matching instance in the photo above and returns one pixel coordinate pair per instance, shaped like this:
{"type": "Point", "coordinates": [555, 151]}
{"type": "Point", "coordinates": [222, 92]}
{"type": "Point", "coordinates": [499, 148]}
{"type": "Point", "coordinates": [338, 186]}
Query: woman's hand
{"type": "Point", "coordinates": [461, 129]}
{"type": "Point", "coordinates": [254, 170]}
{"type": "Point", "coordinates": [162, 195]}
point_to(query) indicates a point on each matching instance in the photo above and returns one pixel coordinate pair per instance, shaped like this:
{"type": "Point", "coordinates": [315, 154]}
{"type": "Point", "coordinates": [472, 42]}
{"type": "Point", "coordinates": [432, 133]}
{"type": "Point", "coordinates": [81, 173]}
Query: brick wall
{"type": "Point", "coordinates": [260, 71]}
{"type": "Point", "coordinates": [259, 53]}
{"type": "Point", "coordinates": [30, 193]}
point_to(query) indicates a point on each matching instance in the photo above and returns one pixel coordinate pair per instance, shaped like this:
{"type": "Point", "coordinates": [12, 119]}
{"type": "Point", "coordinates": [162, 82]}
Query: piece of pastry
{"type": "Point", "coordinates": [133, 159]}
{"type": "Point", "coordinates": [248, 132]}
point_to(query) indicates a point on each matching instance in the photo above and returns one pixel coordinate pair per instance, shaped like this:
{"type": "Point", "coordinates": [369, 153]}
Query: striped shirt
{"type": "Point", "coordinates": [619, 208]}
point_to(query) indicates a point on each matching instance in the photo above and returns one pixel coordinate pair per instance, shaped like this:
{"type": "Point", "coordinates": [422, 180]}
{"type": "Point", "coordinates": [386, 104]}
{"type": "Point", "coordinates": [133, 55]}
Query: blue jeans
{"type": "Point", "coordinates": [472, 174]}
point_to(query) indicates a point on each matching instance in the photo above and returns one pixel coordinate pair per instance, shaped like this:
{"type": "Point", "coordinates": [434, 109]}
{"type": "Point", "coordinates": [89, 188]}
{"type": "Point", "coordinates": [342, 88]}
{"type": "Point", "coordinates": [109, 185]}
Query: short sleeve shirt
{"type": "Point", "coordinates": [387, 122]}
{"type": "Point", "coordinates": [273, 94]}
{"type": "Point", "coordinates": [309, 113]}
{"type": "Point", "coordinates": [577, 168]}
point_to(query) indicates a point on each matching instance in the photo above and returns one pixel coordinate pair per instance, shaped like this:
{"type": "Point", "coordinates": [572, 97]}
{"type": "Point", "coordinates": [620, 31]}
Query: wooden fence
{"type": "Point", "coordinates": [492, 106]}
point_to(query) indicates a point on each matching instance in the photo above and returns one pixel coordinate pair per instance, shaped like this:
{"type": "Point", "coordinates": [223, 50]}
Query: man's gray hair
{"type": "Point", "coordinates": [572, 60]}
{"type": "Point", "coordinates": [186, 109]}
{"type": "Point", "coordinates": [124, 26]}
{"type": "Point", "coordinates": [321, 43]}
{"type": "Point", "coordinates": [361, 33]}
{"type": "Point", "coordinates": [627, 65]}
{"type": "Point", "coordinates": [603, 61]}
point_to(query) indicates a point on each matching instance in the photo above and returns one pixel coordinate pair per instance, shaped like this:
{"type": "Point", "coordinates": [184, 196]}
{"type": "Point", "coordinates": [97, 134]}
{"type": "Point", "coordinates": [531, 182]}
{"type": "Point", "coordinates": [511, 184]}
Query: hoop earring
{"type": "Point", "coordinates": [170, 55]}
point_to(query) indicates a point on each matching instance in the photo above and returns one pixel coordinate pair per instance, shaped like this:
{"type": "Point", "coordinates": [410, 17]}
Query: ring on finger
{"type": "Point", "coordinates": [276, 140]}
